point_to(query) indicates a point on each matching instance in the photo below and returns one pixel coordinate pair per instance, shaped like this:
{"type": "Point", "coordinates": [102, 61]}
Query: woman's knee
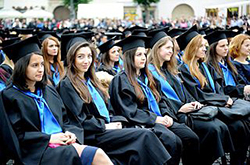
{"type": "Point", "coordinates": [79, 148]}
{"type": "Point", "coordinates": [101, 158]}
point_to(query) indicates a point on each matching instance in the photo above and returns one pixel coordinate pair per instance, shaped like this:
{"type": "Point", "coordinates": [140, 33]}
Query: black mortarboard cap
{"type": "Point", "coordinates": [68, 40]}
{"type": "Point", "coordinates": [22, 48]}
{"type": "Point", "coordinates": [130, 29]}
{"type": "Point", "coordinates": [10, 41]}
{"type": "Point", "coordinates": [186, 37]}
{"type": "Point", "coordinates": [117, 35]}
{"type": "Point", "coordinates": [236, 29]}
{"type": "Point", "coordinates": [215, 36]}
{"type": "Point", "coordinates": [155, 35]}
{"type": "Point", "coordinates": [202, 31]}
{"type": "Point", "coordinates": [133, 41]}
{"type": "Point", "coordinates": [87, 35]}
{"type": "Point", "coordinates": [42, 35]}
{"type": "Point", "coordinates": [175, 32]}
{"type": "Point", "coordinates": [231, 34]}
{"type": "Point", "coordinates": [106, 46]}
{"type": "Point", "coordinates": [25, 31]}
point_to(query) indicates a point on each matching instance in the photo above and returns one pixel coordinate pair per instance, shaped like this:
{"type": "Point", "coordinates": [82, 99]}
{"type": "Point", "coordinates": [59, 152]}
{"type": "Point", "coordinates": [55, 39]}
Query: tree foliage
{"type": "Point", "coordinates": [146, 2]}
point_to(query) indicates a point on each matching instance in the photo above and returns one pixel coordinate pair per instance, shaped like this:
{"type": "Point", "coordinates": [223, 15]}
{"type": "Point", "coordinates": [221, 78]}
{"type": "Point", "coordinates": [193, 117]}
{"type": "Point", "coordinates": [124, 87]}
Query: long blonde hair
{"type": "Point", "coordinates": [235, 45]}
{"type": "Point", "coordinates": [153, 57]}
{"type": "Point", "coordinates": [189, 58]}
{"type": "Point", "coordinates": [57, 59]}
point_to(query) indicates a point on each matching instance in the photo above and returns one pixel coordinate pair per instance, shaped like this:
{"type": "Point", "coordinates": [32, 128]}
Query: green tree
{"type": "Point", "coordinates": [73, 4]}
{"type": "Point", "coordinates": [146, 4]}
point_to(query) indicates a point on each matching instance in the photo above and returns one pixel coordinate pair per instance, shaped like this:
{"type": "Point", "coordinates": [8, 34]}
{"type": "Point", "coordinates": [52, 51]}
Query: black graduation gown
{"type": "Point", "coordinates": [9, 145]}
{"type": "Point", "coordinates": [233, 91]}
{"type": "Point", "coordinates": [205, 95]}
{"type": "Point", "coordinates": [24, 118]}
{"type": "Point", "coordinates": [214, 135]}
{"type": "Point", "coordinates": [124, 101]}
{"type": "Point", "coordinates": [124, 146]}
{"type": "Point", "coordinates": [8, 70]}
{"type": "Point", "coordinates": [239, 129]}
{"type": "Point", "coordinates": [104, 68]}
{"type": "Point", "coordinates": [243, 70]}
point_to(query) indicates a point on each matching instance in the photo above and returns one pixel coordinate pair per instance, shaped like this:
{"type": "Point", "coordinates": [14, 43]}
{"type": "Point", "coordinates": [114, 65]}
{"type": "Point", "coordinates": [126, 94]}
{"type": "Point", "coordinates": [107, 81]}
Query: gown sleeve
{"type": "Point", "coordinates": [124, 101]}
{"type": "Point", "coordinates": [77, 111]}
{"type": "Point", "coordinates": [203, 97]}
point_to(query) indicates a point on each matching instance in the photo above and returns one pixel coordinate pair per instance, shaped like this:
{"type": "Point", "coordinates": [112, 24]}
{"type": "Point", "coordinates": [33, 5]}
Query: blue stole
{"type": "Point", "coordinates": [166, 88]}
{"type": "Point", "coordinates": [98, 101]}
{"type": "Point", "coordinates": [210, 79]}
{"type": "Point", "coordinates": [152, 103]}
{"type": "Point", "coordinates": [179, 57]}
{"type": "Point", "coordinates": [2, 85]}
{"type": "Point", "coordinates": [228, 77]}
{"type": "Point", "coordinates": [49, 124]}
{"type": "Point", "coordinates": [120, 62]}
{"type": "Point", "coordinates": [116, 69]}
{"type": "Point", "coordinates": [2, 54]}
{"type": "Point", "coordinates": [55, 74]}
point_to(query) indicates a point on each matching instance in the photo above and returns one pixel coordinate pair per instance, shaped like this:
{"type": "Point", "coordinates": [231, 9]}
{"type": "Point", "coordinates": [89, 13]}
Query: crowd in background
{"type": "Point", "coordinates": [107, 23]}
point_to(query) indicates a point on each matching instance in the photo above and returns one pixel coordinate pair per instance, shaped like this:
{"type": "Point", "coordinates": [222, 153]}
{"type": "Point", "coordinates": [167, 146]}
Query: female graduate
{"type": "Point", "coordinates": [198, 80]}
{"type": "Point", "coordinates": [110, 55]}
{"type": "Point", "coordinates": [38, 116]}
{"type": "Point", "coordinates": [134, 94]}
{"type": "Point", "coordinates": [52, 60]}
{"type": "Point", "coordinates": [7, 65]}
{"type": "Point", "coordinates": [85, 101]}
{"type": "Point", "coordinates": [219, 60]}
{"type": "Point", "coordinates": [213, 134]}
{"type": "Point", "coordinates": [239, 50]}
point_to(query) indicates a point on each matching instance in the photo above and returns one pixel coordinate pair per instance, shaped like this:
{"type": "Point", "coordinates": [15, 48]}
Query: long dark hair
{"type": "Point", "coordinates": [19, 74]}
{"type": "Point", "coordinates": [212, 60]}
{"type": "Point", "coordinates": [105, 59]}
{"type": "Point", "coordinates": [76, 80]}
{"type": "Point", "coordinates": [130, 69]}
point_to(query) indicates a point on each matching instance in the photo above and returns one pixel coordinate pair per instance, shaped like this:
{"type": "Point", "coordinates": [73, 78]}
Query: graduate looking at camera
{"type": "Point", "coordinates": [38, 116]}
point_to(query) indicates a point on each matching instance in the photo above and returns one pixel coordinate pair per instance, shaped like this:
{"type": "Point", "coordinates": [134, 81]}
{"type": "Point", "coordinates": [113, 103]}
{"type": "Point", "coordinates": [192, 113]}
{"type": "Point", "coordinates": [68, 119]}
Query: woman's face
{"type": "Point", "coordinates": [201, 53]}
{"type": "Point", "coordinates": [166, 51]}
{"type": "Point", "coordinates": [52, 48]}
{"type": "Point", "coordinates": [83, 59]}
{"type": "Point", "coordinates": [114, 53]}
{"type": "Point", "coordinates": [140, 58]}
{"type": "Point", "coordinates": [35, 69]}
{"type": "Point", "coordinates": [245, 48]}
{"type": "Point", "coordinates": [222, 48]}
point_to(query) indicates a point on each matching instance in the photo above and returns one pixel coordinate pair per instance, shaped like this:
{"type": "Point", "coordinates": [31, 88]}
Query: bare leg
{"type": "Point", "coordinates": [100, 158]}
